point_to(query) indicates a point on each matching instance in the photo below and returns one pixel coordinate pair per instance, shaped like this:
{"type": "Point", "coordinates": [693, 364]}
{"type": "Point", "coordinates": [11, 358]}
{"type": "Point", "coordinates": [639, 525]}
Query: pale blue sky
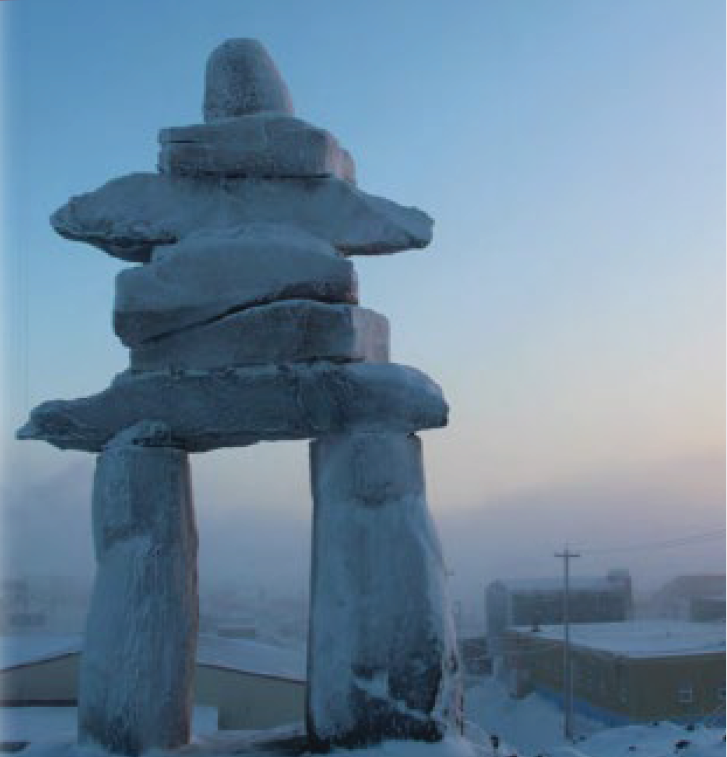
{"type": "Point", "coordinates": [571, 154]}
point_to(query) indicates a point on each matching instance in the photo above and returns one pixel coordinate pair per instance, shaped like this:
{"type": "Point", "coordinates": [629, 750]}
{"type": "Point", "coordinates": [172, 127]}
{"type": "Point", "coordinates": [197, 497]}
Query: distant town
{"type": "Point", "coordinates": [636, 658]}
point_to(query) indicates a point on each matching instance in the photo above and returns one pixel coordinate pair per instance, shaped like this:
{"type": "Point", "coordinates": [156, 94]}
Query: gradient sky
{"type": "Point", "coordinates": [571, 305]}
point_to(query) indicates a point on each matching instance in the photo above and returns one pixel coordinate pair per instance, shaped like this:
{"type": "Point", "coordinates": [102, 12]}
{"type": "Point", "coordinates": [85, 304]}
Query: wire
{"type": "Point", "coordinates": [678, 542]}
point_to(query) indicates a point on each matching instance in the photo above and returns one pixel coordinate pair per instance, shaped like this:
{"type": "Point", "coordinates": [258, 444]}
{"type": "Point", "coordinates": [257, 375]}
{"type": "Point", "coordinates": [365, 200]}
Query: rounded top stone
{"type": "Point", "coordinates": [242, 79]}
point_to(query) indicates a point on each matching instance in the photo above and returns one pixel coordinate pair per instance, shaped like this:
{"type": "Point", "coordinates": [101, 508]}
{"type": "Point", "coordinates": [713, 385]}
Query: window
{"type": "Point", "coordinates": [685, 695]}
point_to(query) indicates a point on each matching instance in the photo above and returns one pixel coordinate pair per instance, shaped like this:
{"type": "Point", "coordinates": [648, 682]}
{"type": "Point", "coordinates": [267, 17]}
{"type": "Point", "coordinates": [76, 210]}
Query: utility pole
{"type": "Point", "coordinates": [566, 556]}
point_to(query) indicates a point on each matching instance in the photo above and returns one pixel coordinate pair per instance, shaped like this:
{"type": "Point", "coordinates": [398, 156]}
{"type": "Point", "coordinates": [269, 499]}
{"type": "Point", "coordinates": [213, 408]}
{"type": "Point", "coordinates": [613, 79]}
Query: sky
{"type": "Point", "coordinates": [571, 304]}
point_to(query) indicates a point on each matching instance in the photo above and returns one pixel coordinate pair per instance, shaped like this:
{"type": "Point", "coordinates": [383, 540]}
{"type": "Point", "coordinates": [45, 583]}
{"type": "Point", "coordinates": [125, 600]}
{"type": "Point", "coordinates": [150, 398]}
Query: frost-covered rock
{"type": "Point", "coordinates": [236, 407]}
{"type": "Point", "coordinates": [241, 79]}
{"type": "Point", "coordinates": [206, 276]}
{"type": "Point", "coordinates": [262, 145]}
{"type": "Point", "coordinates": [138, 660]}
{"type": "Point", "coordinates": [282, 332]}
{"type": "Point", "coordinates": [382, 656]}
{"type": "Point", "coordinates": [130, 216]}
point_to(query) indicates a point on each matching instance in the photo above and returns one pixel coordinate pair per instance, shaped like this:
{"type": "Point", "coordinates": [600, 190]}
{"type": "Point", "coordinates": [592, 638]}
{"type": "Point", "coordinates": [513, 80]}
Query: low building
{"type": "Point", "coordinates": [702, 609]}
{"type": "Point", "coordinates": [251, 685]}
{"type": "Point", "coordinates": [536, 602]}
{"type": "Point", "coordinates": [691, 597]}
{"type": "Point", "coordinates": [42, 604]}
{"type": "Point", "coordinates": [624, 673]}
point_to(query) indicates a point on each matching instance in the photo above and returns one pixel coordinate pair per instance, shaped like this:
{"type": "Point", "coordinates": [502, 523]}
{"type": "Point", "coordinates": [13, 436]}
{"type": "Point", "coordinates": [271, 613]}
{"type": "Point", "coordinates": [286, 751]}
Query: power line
{"type": "Point", "coordinates": [676, 542]}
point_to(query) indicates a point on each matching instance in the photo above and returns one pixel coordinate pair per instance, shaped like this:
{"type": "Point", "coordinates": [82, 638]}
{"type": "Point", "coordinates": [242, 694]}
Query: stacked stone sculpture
{"type": "Point", "coordinates": [243, 325]}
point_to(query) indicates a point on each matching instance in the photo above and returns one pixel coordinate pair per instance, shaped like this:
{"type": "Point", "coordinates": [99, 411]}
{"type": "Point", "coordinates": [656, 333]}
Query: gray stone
{"type": "Point", "coordinates": [138, 660]}
{"type": "Point", "coordinates": [206, 276]}
{"type": "Point", "coordinates": [130, 216]}
{"type": "Point", "coordinates": [241, 78]}
{"type": "Point", "coordinates": [382, 660]}
{"type": "Point", "coordinates": [263, 145]}
{"type": "Point", "coordinates": [291, 331]}
{"type": "Point", "coordinates": [236, 407]}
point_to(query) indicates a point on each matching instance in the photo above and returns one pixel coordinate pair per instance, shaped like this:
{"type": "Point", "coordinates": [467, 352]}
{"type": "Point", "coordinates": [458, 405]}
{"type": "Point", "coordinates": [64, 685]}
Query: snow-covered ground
{"type": "Point", "coordinates": [529, 727]}
{"type": "Point", "coordinates": [43, 724]}
{"type": "Point", "coordinates": [533, 727]}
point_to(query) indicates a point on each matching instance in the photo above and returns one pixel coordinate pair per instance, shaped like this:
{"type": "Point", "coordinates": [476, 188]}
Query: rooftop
{"type": "Point", "coordinates": [642, 638]}
{"type": "Point", "coordinates": [241, 655]}
{"type": "Point", "coordinates": [555, 584]}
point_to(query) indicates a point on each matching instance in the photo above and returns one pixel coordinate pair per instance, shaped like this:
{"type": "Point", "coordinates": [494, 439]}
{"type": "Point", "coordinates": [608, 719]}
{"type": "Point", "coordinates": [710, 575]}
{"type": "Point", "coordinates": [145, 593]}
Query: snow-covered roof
{"type": "Point", "coordinates": [642, 638]}
{"type": "Point", "coordinates": [593, 583]}
{"type": "Point", "coordinates": [36, 647]}
{"type": "Point", "coordinates": [251, 657]}
{"type": "Point", "coordinates": [241, 655]}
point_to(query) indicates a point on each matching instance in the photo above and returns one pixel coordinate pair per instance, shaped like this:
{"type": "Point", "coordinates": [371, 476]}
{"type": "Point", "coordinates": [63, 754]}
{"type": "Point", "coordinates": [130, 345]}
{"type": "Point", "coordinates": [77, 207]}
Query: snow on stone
{"type": "Point", "coordinates": [143, 619]}
{"type": "Point", "coordinates": [241, 79]}
{"type": "Point", "coordinates": [129, 216]}
{"type": "Point", "coordinates": [643, 638]}
{"type": "Point", "coordinates": [382, 655]}
{"type": "Point", "coordinates": [281, 332]}
{"type": "Point", "coordinates": [206, 276]}
{"type": "Point", "coordinates": [240, 406]}
{"type": "Point", "coordinates": [216, 245]}
{"type": "Point", "coordinates": [268, 145]}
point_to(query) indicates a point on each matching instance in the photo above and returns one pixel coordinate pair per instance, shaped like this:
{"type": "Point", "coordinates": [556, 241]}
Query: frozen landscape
{"type": "Point", "coordinates": [531, 727]}
{"type": "Point", "coordinates": [172, 587]}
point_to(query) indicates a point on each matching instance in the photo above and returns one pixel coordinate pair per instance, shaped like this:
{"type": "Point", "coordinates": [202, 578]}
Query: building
{"type": "Point", "coordinates": [703, 609]}
{"type": "Point", "coordinates": [51, 604]}
{"type": "Point", "coordinates": [623, 673]}
{"type": "Point", "coordinates": [249, 684]}
{"type": "Point", "coordinates": [692, 597]}
{"type": "Point", "coordinates": [538, 602]}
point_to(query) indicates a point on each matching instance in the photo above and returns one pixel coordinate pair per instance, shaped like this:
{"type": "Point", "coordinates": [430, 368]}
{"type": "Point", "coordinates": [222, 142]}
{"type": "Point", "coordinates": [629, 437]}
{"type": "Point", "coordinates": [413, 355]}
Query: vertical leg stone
{"type": "Point", "coordinates": [138, 661]}
{"type": "Point", "coordinates": [382, 659]}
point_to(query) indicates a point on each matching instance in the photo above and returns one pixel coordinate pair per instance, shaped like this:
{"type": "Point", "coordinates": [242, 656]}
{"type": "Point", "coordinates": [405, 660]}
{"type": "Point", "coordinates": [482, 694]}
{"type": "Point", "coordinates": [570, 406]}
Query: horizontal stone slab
{"type": "Point", "coordinates": [282, 332]}
{"type": "Point", "coordinates": [130, 216]}
{"type": "Point", "coordinates": [210, 409]}
{"type": "Point", "coordinates": [260, 145]}
{"type": "Point", "coordinates": [206, 276]}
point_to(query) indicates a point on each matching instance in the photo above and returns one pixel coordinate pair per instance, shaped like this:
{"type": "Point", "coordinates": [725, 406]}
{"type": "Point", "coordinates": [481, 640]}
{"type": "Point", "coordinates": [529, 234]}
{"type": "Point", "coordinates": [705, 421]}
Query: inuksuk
{"type": "Point", "coordinates": [243, 325]}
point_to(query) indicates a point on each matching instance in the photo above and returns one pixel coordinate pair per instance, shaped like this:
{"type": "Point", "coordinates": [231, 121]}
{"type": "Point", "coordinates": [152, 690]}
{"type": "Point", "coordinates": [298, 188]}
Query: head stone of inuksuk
{"type": "Point", "coordinates": [243, 325]}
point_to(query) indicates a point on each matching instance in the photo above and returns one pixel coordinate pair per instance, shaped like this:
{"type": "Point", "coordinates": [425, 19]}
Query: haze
{"type": "Point", "coordinates": [571, 305]}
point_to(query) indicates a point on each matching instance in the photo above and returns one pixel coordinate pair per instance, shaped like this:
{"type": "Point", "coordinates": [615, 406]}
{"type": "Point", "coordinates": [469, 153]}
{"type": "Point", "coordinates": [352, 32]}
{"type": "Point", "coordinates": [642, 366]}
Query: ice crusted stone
{"type": "Point", "coordinates": [291, 331]}
{"type": "Point", "coordinates": [206, 276]}
{"type": "Point", "coordinates": [236, 407]}
{"type": "Point", "coordinates": [262, 145]}
{"type": "Point", "coordinates": [382, 660]}
{"type": "Point", "coordinates": [138, 660]}
{"type": "Point", "coordinates": [128, 217]}
{"type": "Point", "coordinates": [241, 79]}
